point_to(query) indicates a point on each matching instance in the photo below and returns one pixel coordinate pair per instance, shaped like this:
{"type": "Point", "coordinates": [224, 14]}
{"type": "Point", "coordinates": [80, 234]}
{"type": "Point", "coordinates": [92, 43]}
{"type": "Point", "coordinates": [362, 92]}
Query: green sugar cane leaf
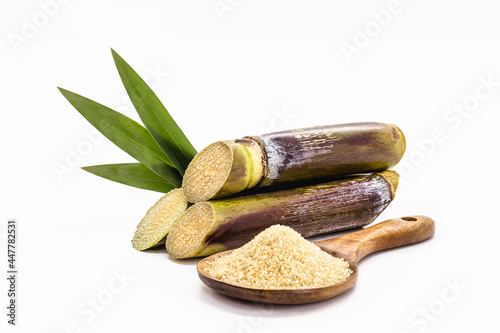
{"type": "Point", "coordinates": [155, 117]}
{"type": "Point", "coordinates": [127, 134]}
{"type": "Point", "coordinates": [132, 174]}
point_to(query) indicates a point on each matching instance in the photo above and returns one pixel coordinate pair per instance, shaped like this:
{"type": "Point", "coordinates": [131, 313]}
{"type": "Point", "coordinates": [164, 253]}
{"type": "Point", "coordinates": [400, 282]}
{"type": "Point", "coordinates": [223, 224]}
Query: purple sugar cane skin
{"type": "Point", "coordinates": [229, 167]}
{"type": "Point", "coordinates": [219, 225]}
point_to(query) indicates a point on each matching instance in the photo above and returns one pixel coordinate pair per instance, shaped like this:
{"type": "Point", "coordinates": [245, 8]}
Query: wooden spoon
{"type": "Point", "coordinates": [352, 247]}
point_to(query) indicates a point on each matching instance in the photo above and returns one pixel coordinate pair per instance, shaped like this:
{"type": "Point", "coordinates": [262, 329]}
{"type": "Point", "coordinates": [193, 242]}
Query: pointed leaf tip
{"type": "Point", "coordinates": [127, 134]}
{"type": "Point", "coordinates": [155, 117]}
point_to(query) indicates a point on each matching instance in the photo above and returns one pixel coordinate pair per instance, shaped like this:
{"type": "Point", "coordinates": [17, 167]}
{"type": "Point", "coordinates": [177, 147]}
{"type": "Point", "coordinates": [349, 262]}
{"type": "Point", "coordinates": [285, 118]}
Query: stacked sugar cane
{"type": "Point", "coordinates": [316, 180]}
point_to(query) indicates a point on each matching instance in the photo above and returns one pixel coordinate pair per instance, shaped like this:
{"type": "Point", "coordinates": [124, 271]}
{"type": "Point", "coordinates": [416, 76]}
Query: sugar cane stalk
{"type": "Point", "coordinates": [228, 167]}
{"type": "Point", "coordinates": [214, 226]}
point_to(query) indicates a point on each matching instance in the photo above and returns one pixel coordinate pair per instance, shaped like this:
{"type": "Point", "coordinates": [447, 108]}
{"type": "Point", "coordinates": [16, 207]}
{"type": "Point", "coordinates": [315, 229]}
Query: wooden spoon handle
{"type": "Point", "coordinates": [382, 236]}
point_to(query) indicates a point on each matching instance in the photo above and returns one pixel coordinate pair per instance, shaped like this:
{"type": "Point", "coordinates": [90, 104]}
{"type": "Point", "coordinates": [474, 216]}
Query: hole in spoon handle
{"type": "Point", "coordinates": [393, 233]}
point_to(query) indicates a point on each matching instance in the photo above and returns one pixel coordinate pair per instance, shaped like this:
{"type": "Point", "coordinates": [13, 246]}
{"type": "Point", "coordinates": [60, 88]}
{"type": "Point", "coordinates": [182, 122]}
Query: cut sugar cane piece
{"type": "Point", "coordinates": [224, 168]}
{"type": "Point", "coordinates": [158, 220]}
{"type": "Point", "coordinates": [219, 225]}
{"type": "Point", "coordinates": [228, 167]}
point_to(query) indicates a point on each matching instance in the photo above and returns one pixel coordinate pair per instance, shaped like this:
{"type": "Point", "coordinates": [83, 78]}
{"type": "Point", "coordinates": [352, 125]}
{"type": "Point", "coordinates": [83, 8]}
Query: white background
{"type": "Point", "coordinates": [260, 66]}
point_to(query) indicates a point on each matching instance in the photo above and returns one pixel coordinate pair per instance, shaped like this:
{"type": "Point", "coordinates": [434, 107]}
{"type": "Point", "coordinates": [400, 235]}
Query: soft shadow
{"type": "Point", "coordinates": [157, 249]}
{"type": "Point", "coordinates": [255, 309]}
{"type": "Point", "coordinates": [188, 261]}
{"type": "Point", "coordinates": [160, 250]}
{"type": "Point", "coordinates": [334, 234]}
{"type": "Point", "coordinates": [399, 248]}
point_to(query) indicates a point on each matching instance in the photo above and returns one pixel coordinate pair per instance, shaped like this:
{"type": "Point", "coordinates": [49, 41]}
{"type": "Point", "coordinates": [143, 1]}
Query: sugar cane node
{"type": "Point", "coordinates": [229, 167]}
{"type": "Point", "coordinates": [223, 168]}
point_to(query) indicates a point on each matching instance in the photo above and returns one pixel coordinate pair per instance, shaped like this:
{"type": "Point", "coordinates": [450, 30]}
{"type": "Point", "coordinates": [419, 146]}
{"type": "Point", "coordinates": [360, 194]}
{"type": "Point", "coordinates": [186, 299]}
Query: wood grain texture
{"type": "Point", "coordinates": [352, 247]}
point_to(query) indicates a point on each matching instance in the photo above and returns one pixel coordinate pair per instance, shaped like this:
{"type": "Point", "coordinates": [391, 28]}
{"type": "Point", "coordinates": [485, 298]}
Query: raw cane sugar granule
{"type": "Point", "coordinates": [279, 258]}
